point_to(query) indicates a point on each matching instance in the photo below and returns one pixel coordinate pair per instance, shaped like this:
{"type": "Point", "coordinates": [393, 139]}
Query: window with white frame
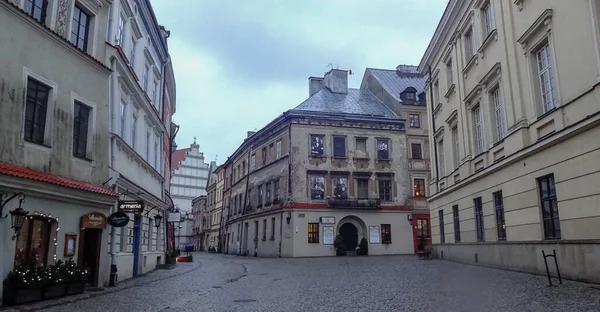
{"type": "Point", "coordinates": [498, 106]}
{"type": "Point", "coordinates": [455, 147]}
{"type": "Point", "coordinates": [36, 111]}
{"type": "Point", "coordinates": [132, 52]}
{"type": "Point", "coordinates": [156, 154]}
{"type": "Point", "coordinates": [82, 115]}
{"type": "Point", "coordinates": [469, 44]}
{"type": "Point", "coordinates": [154, 93]}
{"type": "Point", "coordinates": [449, 74]}
{"type": "Point", "coordinates": [278, 148]}
{"type": "Point", "coordinates": [80, 28]}
{"type": "Point", "coordinates": [145, 77]}
{"type": "Point", "coordinates": [37, 9]}
{"type": "Point", "coordinates": [436, 92]}
{"type": "Point", "coordinates": [122, 121]}
{"type": "Point", "coordinates": [148, 146]}
{"type": "Point", "coordinates": [546, 76]}
{"type": "Point", "coordinates": [441, 160]}
{"type": "Point", "coordinates": [133, 130]}
{"type": "Point", "coordinates": [252, 162]}
{"type": "Point", "coordinates": [478, 129]}
{"type": "Point", "coordinates": [488, 18]}
{"type": "Point", "coordinates": [121, 30]}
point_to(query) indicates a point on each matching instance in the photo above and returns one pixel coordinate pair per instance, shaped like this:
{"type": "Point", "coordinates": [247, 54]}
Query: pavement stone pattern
{"type": "Point", "coordinates": [216, 282]}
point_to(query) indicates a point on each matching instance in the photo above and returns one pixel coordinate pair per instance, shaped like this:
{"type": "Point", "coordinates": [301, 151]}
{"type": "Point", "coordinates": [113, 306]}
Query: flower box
{"type": "Point", "coordinates": [53, 291]}
{"type": "Point", "coordinates": [12, 297]}
{"type": "Point", "coordinates": [75, 288]}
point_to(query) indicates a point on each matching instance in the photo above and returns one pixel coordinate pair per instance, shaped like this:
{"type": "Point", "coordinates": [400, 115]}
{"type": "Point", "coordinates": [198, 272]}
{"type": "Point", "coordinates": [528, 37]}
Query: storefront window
{"type": "Point", "coordinates": [32, 242]}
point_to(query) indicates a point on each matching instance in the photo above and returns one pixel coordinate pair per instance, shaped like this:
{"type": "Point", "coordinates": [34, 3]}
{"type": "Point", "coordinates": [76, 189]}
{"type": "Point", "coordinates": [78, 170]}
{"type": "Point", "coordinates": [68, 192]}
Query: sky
{"type": "Point", "coordinates": [241, 63]}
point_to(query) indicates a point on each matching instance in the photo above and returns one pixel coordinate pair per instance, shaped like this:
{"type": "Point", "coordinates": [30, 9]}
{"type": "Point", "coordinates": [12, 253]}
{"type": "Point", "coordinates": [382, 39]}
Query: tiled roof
{"type": "Point", "coordinates": [355, 102]}
{"type": "Point", "coordinates": [178, 156]}
{"type": "Point", "coordinates": [26, 173]}
{"type": "Point", "coordinates": [395, 82]}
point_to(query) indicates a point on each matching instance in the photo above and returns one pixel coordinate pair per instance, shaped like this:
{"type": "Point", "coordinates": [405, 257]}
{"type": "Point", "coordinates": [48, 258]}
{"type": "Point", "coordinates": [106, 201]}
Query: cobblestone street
{"type": "Point", "coordinates": [229, 283]}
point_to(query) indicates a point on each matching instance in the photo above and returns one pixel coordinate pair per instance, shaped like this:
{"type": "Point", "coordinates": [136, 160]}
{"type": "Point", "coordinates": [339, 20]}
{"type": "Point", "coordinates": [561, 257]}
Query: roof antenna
{"type": "Point", "coordinates": [350, 72]}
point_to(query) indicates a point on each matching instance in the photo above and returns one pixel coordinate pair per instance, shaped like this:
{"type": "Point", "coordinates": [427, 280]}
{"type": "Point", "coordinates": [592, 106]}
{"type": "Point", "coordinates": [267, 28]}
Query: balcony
{"type": "Point", "coordinates": [353, 203]}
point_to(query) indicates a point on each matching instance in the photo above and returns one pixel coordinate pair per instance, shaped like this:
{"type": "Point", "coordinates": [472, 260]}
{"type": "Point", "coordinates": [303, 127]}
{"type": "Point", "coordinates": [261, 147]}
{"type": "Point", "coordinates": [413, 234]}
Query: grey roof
{"type": "Point", "coordinates": [395, 82]}
{"type": "Point", "coordinates": [355, 102]}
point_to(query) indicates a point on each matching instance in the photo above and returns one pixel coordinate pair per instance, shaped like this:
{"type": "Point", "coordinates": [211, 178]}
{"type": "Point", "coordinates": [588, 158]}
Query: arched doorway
{"type": "Point", "coordinates": [349, 234]}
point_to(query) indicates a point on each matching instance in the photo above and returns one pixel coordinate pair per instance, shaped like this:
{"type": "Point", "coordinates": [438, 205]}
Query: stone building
{"type": "Point", "coordinates": [514, 120]}
{"type": "Point", "coordinates": [54, 135]}
{"type": "Point", "coordinates": [198, 217]}
{"type": "Point", "coordinates": [138, 56]}
{"type": "Point", "coordinates": [209, 234]}
{"type": "Point", "coordinates": [334, 164]}
{"type": "Point", "coordinates": [403, 90]}
{"type": "Point", "coordinates": [217, 211]}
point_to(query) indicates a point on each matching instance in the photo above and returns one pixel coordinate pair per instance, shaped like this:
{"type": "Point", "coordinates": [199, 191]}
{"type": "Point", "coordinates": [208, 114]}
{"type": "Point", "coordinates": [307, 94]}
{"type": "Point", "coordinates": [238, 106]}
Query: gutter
{"type": "Point", "coordinates": [435, 152]}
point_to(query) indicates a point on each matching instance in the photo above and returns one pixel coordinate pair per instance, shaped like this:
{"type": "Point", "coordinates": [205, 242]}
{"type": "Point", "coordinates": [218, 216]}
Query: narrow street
{"type": "Point", "coordinates": [216, 282]}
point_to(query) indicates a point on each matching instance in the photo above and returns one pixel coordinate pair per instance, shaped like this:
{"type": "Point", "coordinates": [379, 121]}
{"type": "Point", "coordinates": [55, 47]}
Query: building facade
{"type": "Point", "coordinates": [334, 164]}
{"type": "Point", "coordinates": [189, 176]}
{"type": "Point", "coordinates": [53, 128]}
{"type": "Point", "coordinates": [514, 121]}
{"type": "Point", "coordinates": [403, 91]}
{"type": "Point", "coordinates": [137, 54]}
{"type": "Point", "coordinates": [198, 216]}
{"type": "Point", "coordinates": [217, 211]}
{"type": "Point", "coordinates": [209, 234]}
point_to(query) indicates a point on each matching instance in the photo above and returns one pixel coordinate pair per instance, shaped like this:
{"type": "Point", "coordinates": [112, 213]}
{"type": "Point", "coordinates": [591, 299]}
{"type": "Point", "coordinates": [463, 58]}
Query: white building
{"type": "Point", "coordinates": [137, 53]}
{"type": "Point", "coordinates": [189, 176]}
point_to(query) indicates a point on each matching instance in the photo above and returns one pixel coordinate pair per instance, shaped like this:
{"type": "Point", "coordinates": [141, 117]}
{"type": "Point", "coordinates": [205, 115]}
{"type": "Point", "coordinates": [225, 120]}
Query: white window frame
{"type": "Point", "coordinates": [449, 73]}
{"type": "Point", "coordinates": [253, 162]}
{"type": "Point", "coordinates": [148, 144]}
{"type": "Point", "coordinates": [497, 102]}
{"type": "Point", "coordinates": [122, 118]}
{"type": "Point", "coordinates": [278, 148]}
{"type": "Point", "coordinates": [146, 77]}
{"type": "Point", "coordinates": [479, 134]}
{"type": "Point", "coordinates": [441, 158]}
{"type": "Point", "coordinates": [134, 120]}
{"type": "Point", "coordinates": [89, 149]}
{"type": "Point", "coordinates": [546, 77]}
{"type": "Point", "coordinates": [50, 107]}
{"type": "Point", "coordinates": [132, 52]}
{"type": "Point", "coordinates": [455, 146]}
{"type": "Point", "coordinates": [487, 19]}
{"type": "Point", "coordinates": [121, 30]}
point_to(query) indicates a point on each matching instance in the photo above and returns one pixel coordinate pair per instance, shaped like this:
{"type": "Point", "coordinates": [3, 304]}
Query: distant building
{"type": "Point", "coordinates": [189, 176]}
{"type": "Point", "coordinates": [198, 216]}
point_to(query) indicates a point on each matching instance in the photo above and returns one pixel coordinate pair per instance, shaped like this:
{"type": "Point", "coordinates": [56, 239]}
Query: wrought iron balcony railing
{"type": "Point", "coordinates": [353, 203]}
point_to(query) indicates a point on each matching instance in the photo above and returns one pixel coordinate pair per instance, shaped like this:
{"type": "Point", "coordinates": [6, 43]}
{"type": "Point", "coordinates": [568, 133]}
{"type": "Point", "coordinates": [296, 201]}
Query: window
{"type": "Point", "coordinates": [276, 189]}
{"type": "Point", "coordinates": [145, 77]}
{"type": "Point", "coordinates": [456, 224]}
{"type": "Point", "coordinates": [419, 187]}
{"type": "Point", "coordinates": [122, 121]}
{"type": "Point", "coordinates": [385, 190]}
{"type": "Point", "coordinates": [147, 146]}
{"type": "Point", "coordinates": [264, 236]}
{"type": "Point", "coordinates": [32, 241]}
{"type": "Point", "coordinates": [547, 81]}
{"type": "Point", "coordinates": [264, 156]}
{"type": "Point", "coordinates": [36, 108]}
{"type": "Point", "coordinates": [549, 207]}
{"type": "Point", "coordinates": [268, 193]}
{"type": "Point", "coordinates": [362, 188]}
{"type": "Point", "coordinates": [386, 233]}
{"type": "Point", "coordinates": [455, 147]}
{"type": "Point", "coordinates": [442, 230]}
{"type": "Point", "coordinates": [441, 159]}
{"type": "Point", "coordinates": [272, 228]}
{"type": "Point", "coordinates": [271, 151]}
{"type": "Point", "coordinates": [478, 124]}
{"type": "Point", "coordinates": [479, 227]}
{"type": "Point", "coordinates": [411, 96]}
{"type": "Point", "coordinates": [415, 120]}
{"type": "Point", "coordinates": [80, 28]}
{"type": "Point", "coordinates": [243, 168]}
{"type": "Point", "coordinates": [81, 118]}
{"type": "Point", "coordinates": [154, 93]}
{"type": "Point", "coordinates": [37, 9]}
{"type": "Point", "coordinates": [260, 195]}
{"type": "Point", "coordinates": [133, 131]}
{"type": "Point", "coordinates": [316, 145]}
{"type": "Point", "coordinates": [449, 74]}
{"type": "Point", "coordinates": [488, 18]}
{"type": "Point", "coordinates": [121, 30]}
{"type": "Point", "coordinates": [436, 93]}
{"type": "Point", "coordinates": [498, 106]}
{"type": "Point", "coordinates": [500, 222]}
{"type": "Point", "coordinates": [256, 229]}
{"type": "Point", "coordinates": [469, 45]}
{"type": "Point", "coordinates": [317, 187]}
{"type": "Point", "coordinates": [132, 53]}
{"type": "Point", "coordinates": [252, 162]}
{"type": "Point", "coordinates": [278, 148]}
{"type": "Point", "coordinates": [340, 187]}
{"type": "Point", "coordinates": [156, 154]}
{"type": "Point", "coordinates": [383, 149]}
{"type": "Point", "coordinates": [416, 152]}
{"type": "Point", "coordinates": [422, 228]}
{"type": "Point", "coordinates": [313, 233]}
{"type": "Point", "coordinates": [339, 146]}
{"type": "Point", "coordinates": [361, 148]}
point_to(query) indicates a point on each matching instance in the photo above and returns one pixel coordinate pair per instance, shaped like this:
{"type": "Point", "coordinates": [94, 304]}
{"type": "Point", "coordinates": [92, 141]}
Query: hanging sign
{"type": "Point", "coordinates": [118, 219]}
{"type": "Point", "coordinates": [131, 206]}
{"type": "Point", "coordinates": [93, 220]}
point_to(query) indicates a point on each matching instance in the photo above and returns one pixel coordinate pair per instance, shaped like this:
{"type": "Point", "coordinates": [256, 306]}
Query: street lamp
{"type": "Point", "coordinates": [17, 218]}
{"type": "Point", "coordinates": [410, 219]}
{"type": "Point", "coordinates": [157, 219]}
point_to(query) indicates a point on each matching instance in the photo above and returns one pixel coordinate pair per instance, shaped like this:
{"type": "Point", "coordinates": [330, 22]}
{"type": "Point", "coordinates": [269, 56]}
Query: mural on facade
{"type": "Point", "coordinates": [317, 187]}
{"type": "Point", "coordinates": [340, 189]}
{"type": "Point", "coordinates": [382, 149]}
{"type": "Point", "coordinates": [316, 145]}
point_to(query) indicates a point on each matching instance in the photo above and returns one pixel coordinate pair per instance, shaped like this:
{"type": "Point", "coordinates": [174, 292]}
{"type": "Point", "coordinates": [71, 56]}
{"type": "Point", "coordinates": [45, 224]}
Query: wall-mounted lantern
{"type": "Point", "coordinates": [410, 219]}
{"type": "Point", "coordinates": [157, 220]}
{"type": "Point", "coordinates": [17, 216]}
{"type": "Point", "coordinates": [289, 218]}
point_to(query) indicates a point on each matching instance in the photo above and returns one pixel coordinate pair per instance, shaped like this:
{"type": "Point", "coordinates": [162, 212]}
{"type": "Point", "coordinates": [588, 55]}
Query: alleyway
{"type": "Point", "coordinates": [230, 283]}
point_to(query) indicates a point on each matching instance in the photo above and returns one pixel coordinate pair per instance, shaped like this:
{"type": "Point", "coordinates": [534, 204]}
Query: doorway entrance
{"type": "Point", "coordinates": [89, 253]}
{"type": "Point", "coordinates": [349, 234]}
{"type": "Point", "coordinates": [421, 231]}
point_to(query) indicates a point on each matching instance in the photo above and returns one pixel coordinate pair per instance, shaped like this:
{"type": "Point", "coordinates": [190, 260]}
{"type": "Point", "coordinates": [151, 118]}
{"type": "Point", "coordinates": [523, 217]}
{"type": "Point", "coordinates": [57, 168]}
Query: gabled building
{"type": "Point", "coordinates": [515, 120]}
{"type": "Point", "coordinates": [334, 164]}
{"type": "Point", "coordinates": [189, 176]}
{"type": "Point", "coordinates": [403, 91]}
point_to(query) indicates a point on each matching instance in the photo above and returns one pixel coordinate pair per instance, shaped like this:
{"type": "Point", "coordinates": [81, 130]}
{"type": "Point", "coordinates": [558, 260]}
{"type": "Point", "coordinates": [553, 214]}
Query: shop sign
{"type": "Point", "coordinates": [93, 220]}
{"type": "Point", "coordinates": [118, 219]}
{"type": "Point", "coordinates": [174, 217]}
{"type": "Point", "coordinates": [131, 206]}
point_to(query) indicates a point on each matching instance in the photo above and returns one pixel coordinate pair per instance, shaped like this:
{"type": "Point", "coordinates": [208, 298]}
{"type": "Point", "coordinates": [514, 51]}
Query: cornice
{"type": "Point", "coordinates": [543, 21]}
{"type": "Point", "coordinates": [133, 155]}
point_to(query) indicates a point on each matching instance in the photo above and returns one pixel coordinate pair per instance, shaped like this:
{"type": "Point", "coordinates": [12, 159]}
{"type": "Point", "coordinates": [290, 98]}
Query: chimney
{"type": "Point", "coordinates": [315, 84]}
{"type": "Point", "coordinates": [250, 133]}
{"type": "Point", "coordinates": [407, 69]}
{"type": "Point", "coordinates": [336, 80]}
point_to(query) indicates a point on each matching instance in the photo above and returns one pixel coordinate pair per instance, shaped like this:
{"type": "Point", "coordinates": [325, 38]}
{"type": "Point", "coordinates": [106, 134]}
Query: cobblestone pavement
{"type": "Point", "coordinates": [395, 283]}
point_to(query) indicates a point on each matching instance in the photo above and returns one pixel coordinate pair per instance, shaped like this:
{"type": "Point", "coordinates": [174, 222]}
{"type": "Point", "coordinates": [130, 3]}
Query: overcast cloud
{"type": "Point", "coordinates": [240, 63]}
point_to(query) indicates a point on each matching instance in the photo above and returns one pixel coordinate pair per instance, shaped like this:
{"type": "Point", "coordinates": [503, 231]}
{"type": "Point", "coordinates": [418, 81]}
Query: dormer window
{"type": "Point", "coordinates": [411, 96]}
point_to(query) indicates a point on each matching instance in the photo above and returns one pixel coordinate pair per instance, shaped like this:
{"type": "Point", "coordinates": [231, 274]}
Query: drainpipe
{"type": "Point", "coordinates": [246, 195]}
{"type": "Point", "coordinates": [435, 153]}
{"type": "Point", "coordinates": [111, 14]}
{"type": "Point", "coordinates": [113, 253]}
{"type": "Point", "coordinates": [289, 186]}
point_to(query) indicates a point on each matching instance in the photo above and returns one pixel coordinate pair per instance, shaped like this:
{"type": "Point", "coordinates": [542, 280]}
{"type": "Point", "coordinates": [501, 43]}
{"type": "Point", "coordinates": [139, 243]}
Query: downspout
{"type": "Point", "coordinates": [112, 281]}
{"type": "Point", "coordinates": [289, 187]}
{"type": "Point", "coordinates": [246, 194]}
{"type": "Point", "coordinates": [114, 108]}
{"type": "Point", "coordinates": [111, 14]}
{"type": "Point", "coordinates": [435, 153]}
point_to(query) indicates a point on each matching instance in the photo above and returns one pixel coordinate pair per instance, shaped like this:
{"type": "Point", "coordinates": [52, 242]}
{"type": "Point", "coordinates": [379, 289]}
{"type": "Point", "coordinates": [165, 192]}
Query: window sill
{"type": "Point", "coordinates": [264, 239]}
{"type": "Point", "coordinates": [36, 144]}
{"type": "Point", "coordinates": [272, 238]}
{"type": "Point", "coordinates": [470, 64]}
{"type": "Point", "coordinates": [450, 91]}
{"type": "Point", "coordinates": [360, 158]}
{"type": "Point", "coordinates": [82, 158]}
{"type": "Point", "coordinates": [383, 160]}
{"type": "Point", "coordinates": [340, 157]}
{"type": "Point", "coordinates": [317, 156]}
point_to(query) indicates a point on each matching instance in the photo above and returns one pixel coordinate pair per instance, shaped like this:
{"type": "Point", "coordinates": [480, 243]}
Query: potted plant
{"type": "Point", "coordinates": [23, 284]}
{"type": "Point", "coordinates": [363, 247]}
{"type": "Point", "coordinates": [338, 244]}
{"type": "Point", "coordinates": [75, 277]}
{"type": "Point", "coordinates": [56, 285]}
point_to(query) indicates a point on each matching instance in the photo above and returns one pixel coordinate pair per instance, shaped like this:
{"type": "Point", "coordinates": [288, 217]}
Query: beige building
{"type": "Point", "coordinates": [198, 217]}
{"type": "Point", "coordinates": [211, 230]}
{"type": "Point", "coordinates": [514, 121]}
{"type": "Point", "coordinates": [216, 213]}
{"type": "Point", "coordinates": [334, 164]}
